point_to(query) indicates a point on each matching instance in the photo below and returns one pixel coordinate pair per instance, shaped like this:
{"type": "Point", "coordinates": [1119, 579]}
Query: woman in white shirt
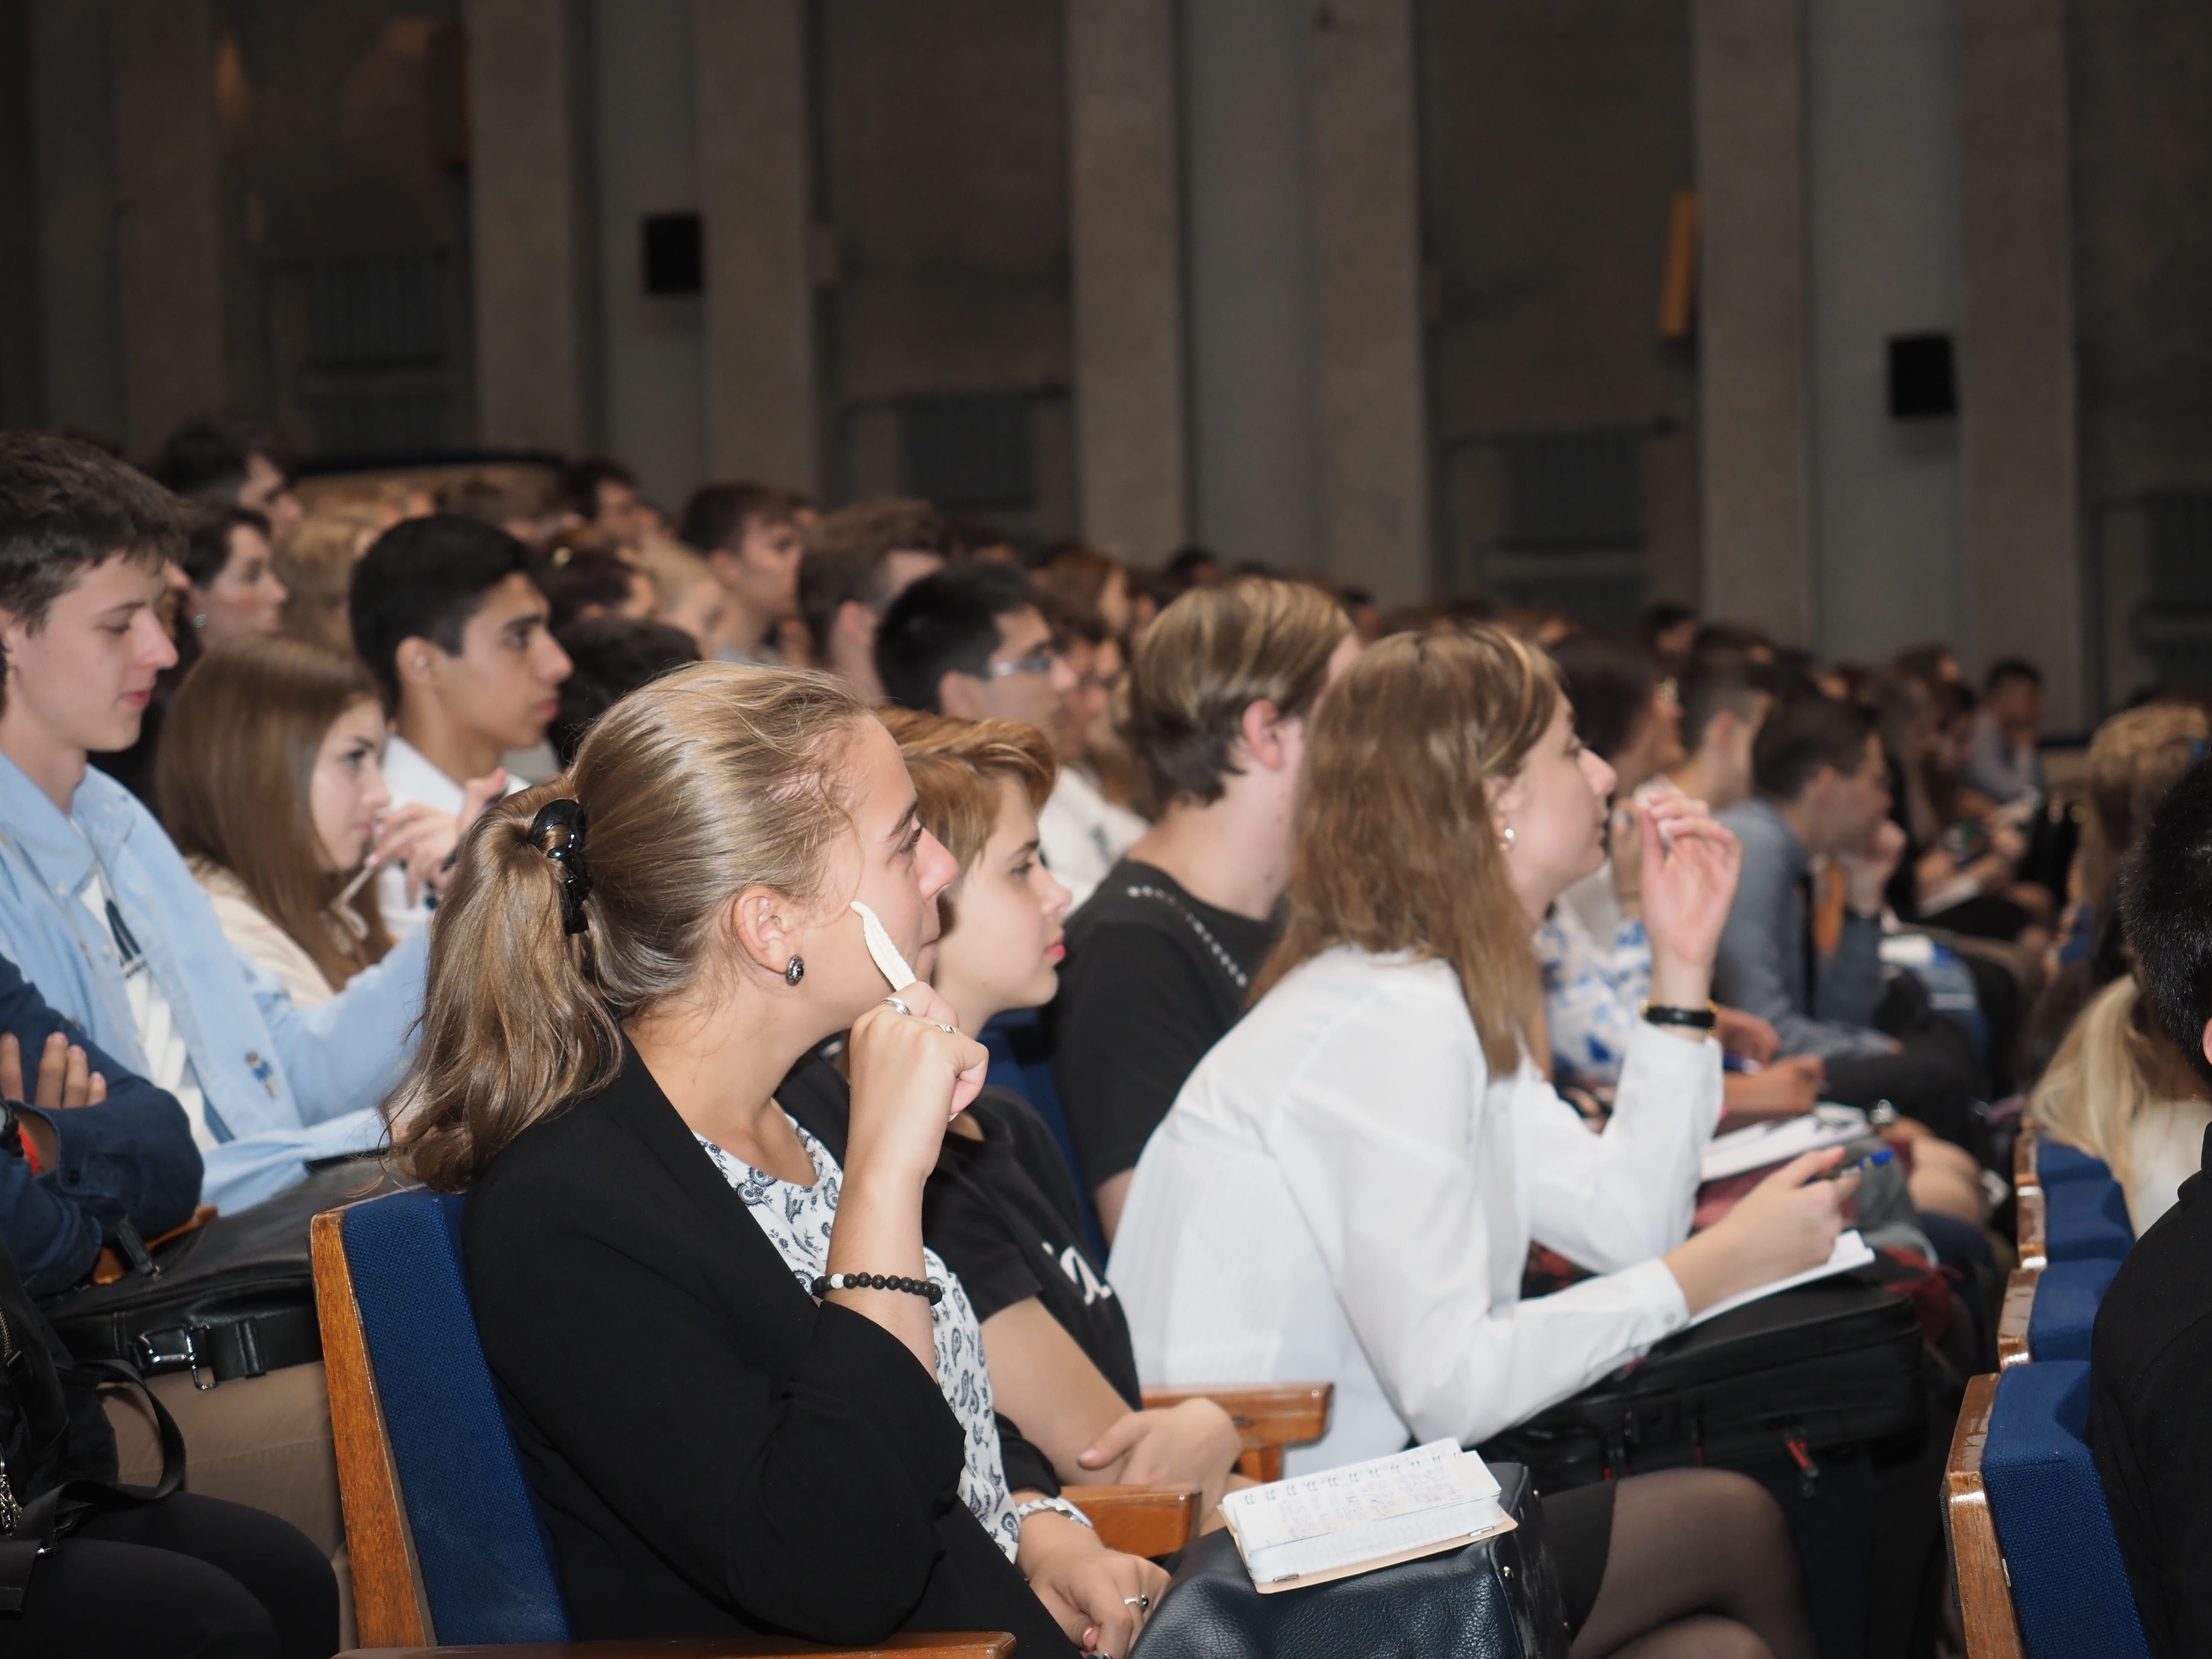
{"type": "Point", "coordinates": [269, 781]}
{"type": "Point", "coordinates": [1348, 1184]}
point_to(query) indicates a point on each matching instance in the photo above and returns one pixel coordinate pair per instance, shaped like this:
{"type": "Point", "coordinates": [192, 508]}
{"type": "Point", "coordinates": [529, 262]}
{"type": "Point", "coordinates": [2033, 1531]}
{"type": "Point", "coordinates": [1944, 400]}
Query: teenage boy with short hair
{"type": "Point", "coordinates": [229, 459]}
{"type": "Point", "coordinates": [2005, 763]}
{"type": "Point", "coordinates": [448, 617]}
{"type": "Point", "coordinates": [96, 906]}
{"type": "Point", "coordinates": [1821, 787]}
{"type": "Point", "coordinates": [857, 561]}
{"type": "Point", "coordinates": [2147, 1428]}
{"type": "Point", "coordinates": [749, 534]}
{"type": "Point", "coordinates": [1722, 711]}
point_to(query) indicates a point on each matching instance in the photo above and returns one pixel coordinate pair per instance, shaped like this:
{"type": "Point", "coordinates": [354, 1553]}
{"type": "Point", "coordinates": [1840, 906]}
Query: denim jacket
{"type": "Point", "coordinates": [282, 1084]}
{"type": "Point", "coordinates": [131, 1154]}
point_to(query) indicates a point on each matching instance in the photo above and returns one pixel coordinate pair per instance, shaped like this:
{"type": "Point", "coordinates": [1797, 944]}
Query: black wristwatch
{"type": "Point", "coordinates": [1688, 1019]}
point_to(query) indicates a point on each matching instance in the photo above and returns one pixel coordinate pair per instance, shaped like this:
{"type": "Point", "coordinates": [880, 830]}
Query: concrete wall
{"type": "Point", "coordinates": [1553, 134]}
{"type": "Point", "coordinates": [944, 187]}
{"type": "Point", "coordinates": [1882, 176]}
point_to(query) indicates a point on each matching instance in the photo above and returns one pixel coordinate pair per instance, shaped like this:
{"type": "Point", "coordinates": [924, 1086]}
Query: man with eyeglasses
{"type": "Point", "coordinates": [971, 643]}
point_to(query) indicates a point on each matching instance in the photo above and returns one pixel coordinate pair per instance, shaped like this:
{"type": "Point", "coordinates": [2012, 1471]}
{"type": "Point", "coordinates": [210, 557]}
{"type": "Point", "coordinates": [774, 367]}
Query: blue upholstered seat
{"type": "Point", "coordinates": [2070, 1587]}
{"type": "Point", "coordinates": [2065, 1312]}
{"type": "Point", "coordinates": [487, 1565]}
{"type": "Point", "coordinates": [2086, 1218]}
{"type": "Point", "coordinates": [2056, 1162]}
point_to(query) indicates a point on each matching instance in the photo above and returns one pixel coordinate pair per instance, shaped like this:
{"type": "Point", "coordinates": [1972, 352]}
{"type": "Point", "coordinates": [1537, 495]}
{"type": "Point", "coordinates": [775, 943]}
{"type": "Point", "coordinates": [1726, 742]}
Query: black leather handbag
{"type": "Point", "coordinates": [235, 1297]}
{"type": "Point", "coordinates": [1831, 1365]}
{"type": "Point", "coordinates": [1497, 1598]}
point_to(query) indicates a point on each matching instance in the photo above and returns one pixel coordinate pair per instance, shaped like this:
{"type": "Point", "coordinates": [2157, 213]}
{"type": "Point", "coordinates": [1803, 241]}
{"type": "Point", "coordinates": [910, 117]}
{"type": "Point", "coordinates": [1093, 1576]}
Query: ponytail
{"type": "Point", "coordinates": [584, 901]}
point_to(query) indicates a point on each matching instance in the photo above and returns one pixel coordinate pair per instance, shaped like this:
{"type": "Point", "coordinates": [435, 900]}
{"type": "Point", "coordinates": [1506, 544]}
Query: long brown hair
{"type": "Point", "coordinates": [231, 776]}
{"type": "Point", "coordinates": [1395, 847]}
{"type": "Point", "coordinates": [706, 782]}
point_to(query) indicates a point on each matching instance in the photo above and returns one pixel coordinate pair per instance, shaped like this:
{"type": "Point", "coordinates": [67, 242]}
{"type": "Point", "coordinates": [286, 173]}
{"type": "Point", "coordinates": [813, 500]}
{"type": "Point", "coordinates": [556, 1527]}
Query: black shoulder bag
{"type": "Point", "coordinates": [57, 1451]}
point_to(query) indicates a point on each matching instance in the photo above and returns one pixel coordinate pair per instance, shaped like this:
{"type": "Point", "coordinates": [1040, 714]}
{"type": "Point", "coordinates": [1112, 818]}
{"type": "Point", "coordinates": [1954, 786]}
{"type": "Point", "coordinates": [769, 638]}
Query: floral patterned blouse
{"type": "Point", "coordinates": [797, 1220]}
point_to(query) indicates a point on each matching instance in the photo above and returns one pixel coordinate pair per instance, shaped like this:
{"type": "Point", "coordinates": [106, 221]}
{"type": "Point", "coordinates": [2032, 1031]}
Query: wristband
{"type": "Point", "coordinates": [1057, 1505]}
{"type": "Point", "coordinates": [1689, 1019]}
{"type": "Point", "coordinates": [922, 1287]}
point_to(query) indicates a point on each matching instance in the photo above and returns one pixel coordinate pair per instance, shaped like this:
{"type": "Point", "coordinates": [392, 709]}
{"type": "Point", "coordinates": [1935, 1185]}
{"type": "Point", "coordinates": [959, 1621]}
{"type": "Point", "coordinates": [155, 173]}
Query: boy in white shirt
{"type": "Point", "coordinates": [448, 617]}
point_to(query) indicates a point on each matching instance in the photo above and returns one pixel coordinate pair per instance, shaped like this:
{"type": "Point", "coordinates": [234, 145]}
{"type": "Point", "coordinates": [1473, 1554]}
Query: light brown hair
{"type": "Point", "coordinates": [956, 766]}
{"type": "Point", "coordinates": [1210, 656]}
{"type": "Point", "coordinates": [712, 780]}
{"type": "Point", "coordinates": [232, 777]}
{"type": "Point", "coordinates": [2134, 758]}
{"type": "Point", "coordinates": [1395, 847]}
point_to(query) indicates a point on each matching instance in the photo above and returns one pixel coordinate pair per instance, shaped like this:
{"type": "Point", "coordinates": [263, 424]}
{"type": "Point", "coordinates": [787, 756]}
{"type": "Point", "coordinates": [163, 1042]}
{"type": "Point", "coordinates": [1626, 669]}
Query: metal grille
{"type": "Point", "coordinates": [1573, 492]}
{"type": "Point", "coordinates": [378, 310]}
{"type": "Point", "coordinates": [968, 450]}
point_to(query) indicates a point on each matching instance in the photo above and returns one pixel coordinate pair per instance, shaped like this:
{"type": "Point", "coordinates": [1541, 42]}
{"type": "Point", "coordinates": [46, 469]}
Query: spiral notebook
{"type": "Point", "coordinates": [1352, 1520]}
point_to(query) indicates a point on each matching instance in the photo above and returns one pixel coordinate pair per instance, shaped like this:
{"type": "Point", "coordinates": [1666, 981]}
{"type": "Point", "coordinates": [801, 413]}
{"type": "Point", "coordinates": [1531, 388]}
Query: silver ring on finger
{"type": "Point", "coordinates": [894, 1002]}
{"type": "Point", "coordinates": [1142, 1604]}
{"type": "Point", "coordinates": [947, 1030]}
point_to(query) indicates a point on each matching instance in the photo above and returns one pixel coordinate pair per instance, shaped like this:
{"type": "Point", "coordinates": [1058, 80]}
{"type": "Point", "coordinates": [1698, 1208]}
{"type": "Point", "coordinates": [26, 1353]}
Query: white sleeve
{"type": "Point", "coordinates": [1373, 1140]}
{"type": "Point", "coordinates": [1608, 1201]}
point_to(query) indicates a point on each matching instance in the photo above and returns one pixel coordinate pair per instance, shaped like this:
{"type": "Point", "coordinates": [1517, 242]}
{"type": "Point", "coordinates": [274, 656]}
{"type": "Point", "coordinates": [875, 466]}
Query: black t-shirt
{"type": "Point", "coordinates": [1002, 1212]}
{"type": "Point", "coordinates": [2148, 1428]}
{"type": "Point", "coordinates": [1153, 979]}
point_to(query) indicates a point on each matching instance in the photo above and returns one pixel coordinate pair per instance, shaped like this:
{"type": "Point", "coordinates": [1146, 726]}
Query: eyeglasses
{"type": "Point", "coordinates": [1039, 662]}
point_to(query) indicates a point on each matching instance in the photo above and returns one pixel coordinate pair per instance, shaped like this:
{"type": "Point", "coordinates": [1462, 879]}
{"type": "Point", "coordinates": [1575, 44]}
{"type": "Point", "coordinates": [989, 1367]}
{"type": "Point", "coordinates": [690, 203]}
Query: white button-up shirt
{"type": "Point", "coordinates": [1343, 1192]}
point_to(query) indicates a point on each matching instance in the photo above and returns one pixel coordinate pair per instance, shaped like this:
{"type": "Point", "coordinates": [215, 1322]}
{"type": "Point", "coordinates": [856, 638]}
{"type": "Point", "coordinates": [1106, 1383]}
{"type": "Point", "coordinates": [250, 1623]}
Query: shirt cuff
{"type": "Point", "coordinates": [1653, 1286]}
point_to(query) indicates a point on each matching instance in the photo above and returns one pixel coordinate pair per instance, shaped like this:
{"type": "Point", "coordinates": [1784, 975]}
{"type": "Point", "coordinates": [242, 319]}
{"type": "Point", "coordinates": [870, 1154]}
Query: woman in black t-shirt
{"type": "Point", "coordinates": [1001, 1207]}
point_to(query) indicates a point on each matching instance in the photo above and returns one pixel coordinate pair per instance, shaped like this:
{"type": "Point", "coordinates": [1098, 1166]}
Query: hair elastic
{"type": "Point", "coordinates": [557, 832]}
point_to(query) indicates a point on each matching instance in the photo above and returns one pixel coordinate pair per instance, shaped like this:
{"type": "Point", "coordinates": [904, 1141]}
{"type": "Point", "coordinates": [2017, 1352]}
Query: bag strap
{"type": "Point", "coordinates": [44, 1521]}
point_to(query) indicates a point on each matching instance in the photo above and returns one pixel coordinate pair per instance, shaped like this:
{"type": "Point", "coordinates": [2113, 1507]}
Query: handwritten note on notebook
{"type": "Point", "coordinates": [1851, 1251]}
{"type": "Point", "coordinates": [1364, 1516]}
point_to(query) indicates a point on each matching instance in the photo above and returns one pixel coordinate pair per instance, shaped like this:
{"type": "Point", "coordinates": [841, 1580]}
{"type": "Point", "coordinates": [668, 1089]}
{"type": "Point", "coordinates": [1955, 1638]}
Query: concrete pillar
{"type": "Point", "coordinates": [1882, 172]}
{"type": "Point", "coordinates": [648, 148]}
{"type": "Point", "coordinates": [1247, 128]}
{"type": "Point", "coordinates": [527, 223]}
{"type": "Point", "coordinates": [1125, 212]}
{"type": "Point", "coordinates": [1370, 404]}
{"type": "Point", "coordinates": [168, 242]}
{"type": "Point", "coordinates": [1753, 400]}
{"type": "Point", "coordinates": [72, 112]}
{"type": "Point", "coordinates": [2016, 348]}
{"type": "Point", "coordinates": [763, 411]}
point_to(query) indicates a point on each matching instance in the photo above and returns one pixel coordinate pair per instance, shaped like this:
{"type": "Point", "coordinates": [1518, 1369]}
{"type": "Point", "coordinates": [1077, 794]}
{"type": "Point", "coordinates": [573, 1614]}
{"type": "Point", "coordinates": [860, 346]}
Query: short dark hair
{"type": "Point", "coordinates": [206, 457]}
{"type": "Point", "coordinates": [574, 579]}
{"type": "Point", "coordinates": [1708, 690]}
{"type": "Point", "coordinates": [2011, 668]}
{"type": "Point", "coordinates": [716, 515]}
{"type": "Point", "coordinates": [1610, 680]}
{"type": "Point", "coordinates": [207, 537]}
{"type": "Point", "coordinates": [580, 481]}
{"type": "Point", "coordinates": [611, 657]}
{"type": "Point", "coordinates": [946, 624]}
{"type": "Point", "coordinates": [1803, 735]}
{"type": "Point", "coordinates": [66, 507]}
{"type": "Point", "coordinates": [2165, 908]}
{"type": "Point", "coordinates": [424, 579]}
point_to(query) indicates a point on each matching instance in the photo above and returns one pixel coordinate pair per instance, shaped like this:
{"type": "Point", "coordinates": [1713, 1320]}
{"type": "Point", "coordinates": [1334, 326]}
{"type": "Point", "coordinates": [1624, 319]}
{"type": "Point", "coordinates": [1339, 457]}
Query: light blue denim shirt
{"type": "Point", "coordinates": [282, 1084]}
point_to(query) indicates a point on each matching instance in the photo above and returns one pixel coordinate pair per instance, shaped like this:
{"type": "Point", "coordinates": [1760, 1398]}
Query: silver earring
{"type": "Point", "coordinates": [1506, 840]}
{"type": "Point", "coordinates": [794, 970]}
{"type": "Point", "coordinates": [200, 621]}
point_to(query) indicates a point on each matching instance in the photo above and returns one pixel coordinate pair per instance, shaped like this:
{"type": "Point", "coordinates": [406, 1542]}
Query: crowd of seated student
{"type": "Point", "coordinates": [1247, 873]}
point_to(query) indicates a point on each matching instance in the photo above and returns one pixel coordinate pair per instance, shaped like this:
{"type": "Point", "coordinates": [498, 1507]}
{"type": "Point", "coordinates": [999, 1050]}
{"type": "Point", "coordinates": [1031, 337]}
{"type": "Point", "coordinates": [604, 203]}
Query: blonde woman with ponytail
{"type": "Point", "coordinates": [725, 1435]}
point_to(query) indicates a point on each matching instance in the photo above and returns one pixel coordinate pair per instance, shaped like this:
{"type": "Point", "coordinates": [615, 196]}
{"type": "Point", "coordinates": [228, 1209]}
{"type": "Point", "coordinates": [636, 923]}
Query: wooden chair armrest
{"type": "Point", "coordinates": [1139, 1520]}
{"type": "Point", "coordinates": [949, 1644]}
{"type": "Point", "coordinates": [2034, 1238]}
{"type": "Point", "coordinates": [2024, 1175]}
{"type": "Point", "coordinates": [2013, 1318]}
{"type": "Point", "coordinates": [1269, 1416]}
{"type": "Point", "coordinates": [1270, 1413]}
{"type": "Point", "coordinates": [1984, 1591]}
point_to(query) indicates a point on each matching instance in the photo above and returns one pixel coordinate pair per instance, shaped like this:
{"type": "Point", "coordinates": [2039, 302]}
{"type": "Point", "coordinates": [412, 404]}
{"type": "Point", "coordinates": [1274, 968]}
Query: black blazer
{"type": "Point", "coordinates": [714, 1452]}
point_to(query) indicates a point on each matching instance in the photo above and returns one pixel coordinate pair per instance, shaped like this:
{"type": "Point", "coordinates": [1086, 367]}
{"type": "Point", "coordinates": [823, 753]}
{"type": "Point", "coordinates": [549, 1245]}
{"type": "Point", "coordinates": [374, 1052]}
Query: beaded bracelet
{"type": "Point", "coordinates": [922, 1287]}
